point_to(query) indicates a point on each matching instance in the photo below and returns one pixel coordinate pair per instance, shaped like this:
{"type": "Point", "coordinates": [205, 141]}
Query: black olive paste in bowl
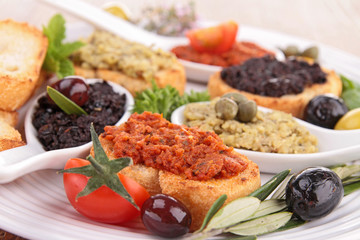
{"type": "Point", "coordinates": [57, 130]}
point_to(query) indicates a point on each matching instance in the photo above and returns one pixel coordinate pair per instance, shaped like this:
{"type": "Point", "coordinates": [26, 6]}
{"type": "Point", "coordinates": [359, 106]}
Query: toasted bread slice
{"type": "Point", "coordinates": [197, 196]}
{"type": "Point", "coordinates": [174, 77]}
{"type": "Point", "coordinates": [10, 117]}
{"type": "Point", "coordinates": [22, 52]}
{"type": "Point", "coordinates": [9, 136]}
{"type": "Point", "coordinates": [294, 104]}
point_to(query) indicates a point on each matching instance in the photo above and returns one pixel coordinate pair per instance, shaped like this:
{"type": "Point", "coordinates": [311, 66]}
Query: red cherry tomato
{"type": "Point", "coordinates": [217, 39]}
{"type": "Point", "coordinates": [103, 205]}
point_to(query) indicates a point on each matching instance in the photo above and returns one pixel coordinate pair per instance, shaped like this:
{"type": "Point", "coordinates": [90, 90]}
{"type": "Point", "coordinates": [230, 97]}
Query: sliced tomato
{"type": "Point", "coordinates": [217, 39]}
{"type": "Point", "coordinates": [102, 205]}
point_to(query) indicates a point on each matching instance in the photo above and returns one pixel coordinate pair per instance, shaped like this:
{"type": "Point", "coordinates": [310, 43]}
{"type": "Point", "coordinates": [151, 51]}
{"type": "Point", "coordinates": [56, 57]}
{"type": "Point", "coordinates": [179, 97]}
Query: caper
{"type": "Point", "coordinates": [237, 97]}
{"type": "Point", "coordinates": [291, 50]}
{"type": "Point", "coordinates": [247, 111]}
{"type": "Point", "coordinates": [311, 52]}
{"type": "Point", "coordinates": [226, 108]}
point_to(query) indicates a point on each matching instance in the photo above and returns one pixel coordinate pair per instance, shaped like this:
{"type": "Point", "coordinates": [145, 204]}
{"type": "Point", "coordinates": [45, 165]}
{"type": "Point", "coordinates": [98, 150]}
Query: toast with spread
{"type": "Point", "coordinates": [22, 52]}
{"type": "Point", "coordinates": [127, 63]}
{"type": "Point", "coordinates": [191, 165]}
{"type": "Point", "coordinates": [293, 103]}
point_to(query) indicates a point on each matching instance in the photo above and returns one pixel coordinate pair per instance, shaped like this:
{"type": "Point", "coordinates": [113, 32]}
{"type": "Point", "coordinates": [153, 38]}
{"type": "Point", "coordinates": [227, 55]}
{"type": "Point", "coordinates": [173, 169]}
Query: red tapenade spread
{"type": "Point", "coordinates": [266, 76]}
{"type": "Point", "coordinates": [239, 53]}
{"type": "Point", "coordinates": [151, 140]}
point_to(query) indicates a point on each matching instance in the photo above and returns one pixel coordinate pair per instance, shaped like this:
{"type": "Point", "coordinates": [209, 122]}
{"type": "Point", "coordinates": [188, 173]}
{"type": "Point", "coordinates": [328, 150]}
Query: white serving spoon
{"type": "Point", "coordinates": [335, 147]}
{"type": "Point", "coordinates": [104, 20]}
{"type": "Point", "coordinates": [19, 161]}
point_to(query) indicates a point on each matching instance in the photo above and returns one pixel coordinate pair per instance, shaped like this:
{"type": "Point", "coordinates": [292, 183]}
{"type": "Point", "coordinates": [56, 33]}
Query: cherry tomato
{"type": "Point", "coordinates": [217, 39]}
{"type": "Point", "coordinates": [102, 205]}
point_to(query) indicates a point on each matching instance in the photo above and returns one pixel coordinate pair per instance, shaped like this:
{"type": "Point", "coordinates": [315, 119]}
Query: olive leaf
{"type": "Point", "coordinates": [268, 207]}
{"type": "Point", "coordinates": [265, 190]}
{"type": "Point", "coordinates": [261, 225]}
{"type": "Point", "coordinates": [280, 191]}
{"type": "Point", "coordinates": [68, 106]}
{"type": "Point", "coordinates": [346, 171]}
{"type": "Point", "coordinates": [234, 212]}
{"type": "Point", "coordinates": [350, 188]}
{"type": "Point", "coordinates": [213, 209]}
{"type": "Point", "coordinates": [292, 223]}
{"type": "Point", "coordinates": [351, 180]}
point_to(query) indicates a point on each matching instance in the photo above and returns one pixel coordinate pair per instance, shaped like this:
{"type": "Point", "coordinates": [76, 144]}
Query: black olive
{"type": "Point", "coordinates": [314, 193]}
{"type": "Point", "coordinates": [166, 216]}
{"type": "Point", "coordinates": [324, 111]}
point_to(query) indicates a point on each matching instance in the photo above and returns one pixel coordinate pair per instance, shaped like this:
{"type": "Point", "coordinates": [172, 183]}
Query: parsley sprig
{"type": "Point", "coordinates": [165, 100]}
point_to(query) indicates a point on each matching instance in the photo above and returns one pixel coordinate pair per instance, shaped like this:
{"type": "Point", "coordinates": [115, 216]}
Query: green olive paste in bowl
{"type": "Point", "coordinates": [272, 132]}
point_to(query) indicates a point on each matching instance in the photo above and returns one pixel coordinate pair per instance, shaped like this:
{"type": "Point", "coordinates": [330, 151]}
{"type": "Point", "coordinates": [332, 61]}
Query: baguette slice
{"type": "Point", "coordinates": [22, 52]}
{"type": "Point", "coordinates": [174, 77]}
{"type": "Point", "coordinates": [9, 136]}
{"type": "Point", "coordinates": [291, 103]}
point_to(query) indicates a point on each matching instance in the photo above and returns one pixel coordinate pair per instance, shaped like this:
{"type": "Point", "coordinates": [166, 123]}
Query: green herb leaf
{"type": "Point", "coordinates": [268, 207]}
{"type": "Point", "coordinates": [234, 212]}
{"type": "Point", "coordinates": [351, 98]}
{"type": "Point", "coordinates": [280, 191]}
{"type": "Point", "coordinates": [164, 100]}
{"type": "Point", "coordinates": [213, 209]}
{"type": "Point", "coordinates": [351, 180]}
{"type": "Point", "coordinates": [346, 170]}
{"type": "Point", "coordinates": [350, 188]}
{"type": "Point", "coordinates": [196, 97]}
{"type": "Point", "coordinates": [265, 190]}
{"type": "Point", "coordinates": [292, 223]}
{"type": "Point", "coordinates": [65, 68]}
{"type": "Point", "coordinates": [350, 92]}
{"type": "Point", "coordinates": [348, 84]}
{"type": "Point", "coordinates": [68, 106]}
{"type": "Point", "coordinates": [55, 31]}
{"type": "Point", "coordinates": [261, 225]}
{"type": "Point", "coordinates": [103, 172]}
{"type": "Point", "coordinates": [66, 49]}
{"type": "Point", "coordinates": [56, 59]}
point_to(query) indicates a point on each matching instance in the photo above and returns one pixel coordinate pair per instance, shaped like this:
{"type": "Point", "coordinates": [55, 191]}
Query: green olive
{"type": "Point", "coordinates": [291, 50]}
{"type": "Point", "coordinates": [247, 111]}
{"type": "Point", "coordinates": [311, 52]}
{"type": "Point", "coordinates": [226, 108]}
{"type": "Point", "coordinates": [237, 97]}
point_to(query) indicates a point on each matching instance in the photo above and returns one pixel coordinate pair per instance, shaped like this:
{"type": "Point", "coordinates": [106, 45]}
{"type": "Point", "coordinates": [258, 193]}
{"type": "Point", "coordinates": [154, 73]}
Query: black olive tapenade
{"type": "Point", "coordinates": [267, 76]}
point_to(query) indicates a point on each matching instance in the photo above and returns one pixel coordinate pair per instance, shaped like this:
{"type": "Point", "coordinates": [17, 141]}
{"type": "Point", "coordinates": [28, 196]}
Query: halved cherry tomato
{"type": "Point", "coordinates": [102, 205]}
{"type": "Point", "coordinates": [217, 39]}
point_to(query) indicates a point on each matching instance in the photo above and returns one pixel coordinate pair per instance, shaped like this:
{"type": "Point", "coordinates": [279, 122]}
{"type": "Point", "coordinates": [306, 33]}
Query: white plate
{"type": "Point", "coordinates": [35, 206]}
